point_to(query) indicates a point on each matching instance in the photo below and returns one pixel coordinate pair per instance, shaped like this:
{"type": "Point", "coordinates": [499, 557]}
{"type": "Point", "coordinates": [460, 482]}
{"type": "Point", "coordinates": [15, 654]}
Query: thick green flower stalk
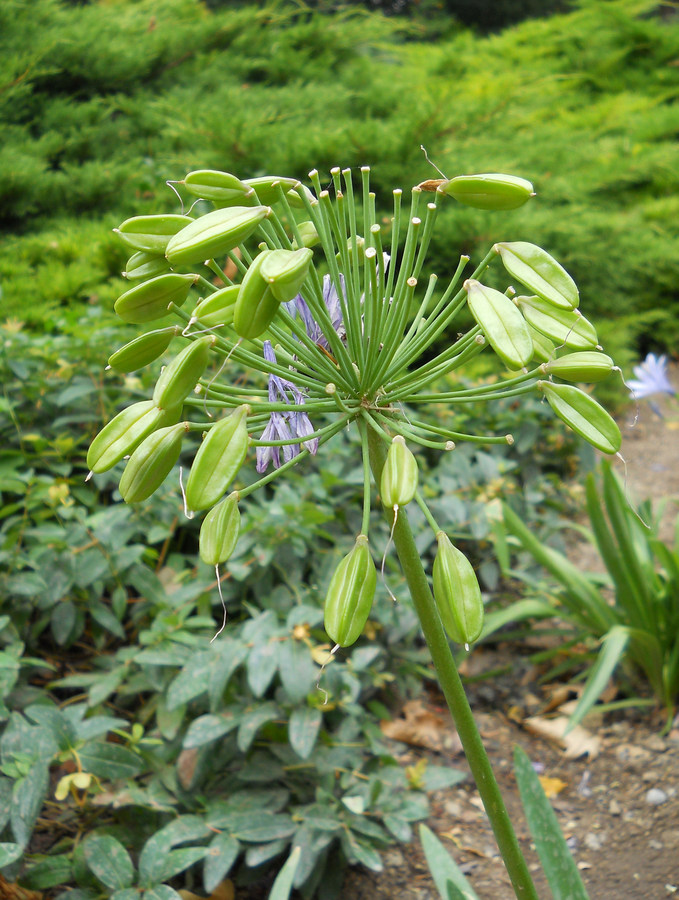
{"type": "Point", "coordinates": [337, 322]}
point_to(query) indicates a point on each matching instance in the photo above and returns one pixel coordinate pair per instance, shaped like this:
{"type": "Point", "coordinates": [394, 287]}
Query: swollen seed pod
{"type": "Point", "coordinates": [350, 594]}
{"type": "Point", "coordinates": [221, 188]}
{"type": "Point", "coordinates": [178, 379]}
{"type": "Point", "coordinates": [256, 305]}
{"type": "Point", "coordinates": [457, 593]}
{"type": "Point", "coordinates": [219, 531]}
{"type": "Point", "coordinates": [267, 192]}
{"type": "Point", "coordinates": [142, 266]}
{"type": "Point", "coordinates": [398, 482]}
{"type": "Point", "coordinates": [215, 233]}
{"type": "Point", "coordinates": [217, 309]}
{"type": "Point", "coordinates": [151, 463]}
{"type": "Point", "coordinates": [502, 324]}
{"type": "Point", "coordinates": [583, 414]}
{"type": "Point", "coordinates": [588, 366]}
{"type": "Point", "coordinates": [218, 460]}
{"type": "Point", "coordinates": [308, 234]}
{"type": "Point", "coordinates": [286, 271]}
{"type": "Point", "coordinates": [150, 300]}
{"type": "Point", "coordinates": [543, 348]}
{"type": "Point", "coordinates": [490, 191]}
{"type": "Point", "coordinates": [151, 233]}
{"type": "Point", "coordinates": [127, 430]}
{"type": "Point", "coordinates": [141, 351]}
{"type": "Point", "coordinates": [539, 272]}
{"type": "Point", "coordinates": [566, 327]}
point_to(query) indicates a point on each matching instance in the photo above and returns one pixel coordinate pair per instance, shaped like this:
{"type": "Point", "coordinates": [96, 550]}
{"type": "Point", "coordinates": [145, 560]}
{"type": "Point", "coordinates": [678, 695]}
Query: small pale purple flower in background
{"type": "Point", "coordinates": [651, 378]}
{"type": "Point", "coordinates": [284, 426]}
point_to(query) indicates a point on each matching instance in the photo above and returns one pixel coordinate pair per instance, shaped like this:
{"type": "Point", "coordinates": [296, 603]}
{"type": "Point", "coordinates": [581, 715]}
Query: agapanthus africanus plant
{"type": "Point", "coordinates": [336, 322]}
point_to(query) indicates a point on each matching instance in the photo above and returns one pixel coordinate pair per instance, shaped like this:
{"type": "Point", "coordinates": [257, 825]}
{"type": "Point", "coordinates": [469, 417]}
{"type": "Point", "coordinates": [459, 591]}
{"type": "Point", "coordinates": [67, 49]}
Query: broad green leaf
{"type": "Point", "coordinates": [303, 729]}
{"type": "Point", "coordinates": [222, 854]}
{"type": "Point", "coordinates": [229, 656]}
{"type": "Point", "coordinates": [297, 669]}
{"type": "Point", "coordinates": [5, 801]}
{"type": "Point", "coordinates": [558, 864]}
{"type": "Point", "coordinates": [109, 861]}
{"type": "Point", "coordinates": [208, 728]}
{"type": "Point", "coordinates": [258, 826]}
{"type": "Point", "coordinates": [192, 681]}
{"type": "Point", "coordinates": [9, 853]}
{"type": "Point", "coordinates": [399, 827]}
{"type": "Point", "coordinates": [258, 854]}
{"type": "Point", "coordinates": [125, 894]}
{"type": "Point", "coordinates": [436, 778]}
{"type": "Point", "coordinates": [262, 664]}
{"type": "Point", "coordinates": [612, 651]}
{"type": "Point", "coordinates": [186, 828]}
{"type": "Point", "coordinates": [284, 880]}
{"type": "Point", "coordinates": [110, 761]}
{"type": "Point", "coordinates": [367, 856]}
{"type": "Point", "coordinates": [49, 873]}
{"type": "Point", "coordinates": [443, 867]}
{"type": "Point", "coordinates": [179, 860]}
{"type": "Point", "coordinates": [153, 859]}
{"type": "Point", "coordinates": [252, 721]}
{"type": "Point", "coordinates": [161, 892]}
{"type": "Point", "coordinates": [27, 798]}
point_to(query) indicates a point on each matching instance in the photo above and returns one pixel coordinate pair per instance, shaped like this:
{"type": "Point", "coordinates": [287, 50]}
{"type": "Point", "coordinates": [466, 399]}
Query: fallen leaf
{"type": "Point", "coordinates": [12, 891]}
{"type": "Point", "coordinates": [551, 786]}
{"type": "Point", "coordinates": [578, 742]}
{"type": "Point", "coordinates": [418, 727]}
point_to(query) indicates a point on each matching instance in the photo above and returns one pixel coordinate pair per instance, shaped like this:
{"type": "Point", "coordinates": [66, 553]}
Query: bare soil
{"type": "Point", "coordinates": [620, 810]}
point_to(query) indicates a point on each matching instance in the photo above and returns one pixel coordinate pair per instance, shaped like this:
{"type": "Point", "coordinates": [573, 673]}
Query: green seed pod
{"type": "Point", "coordinates": [588, 366]}
{"type": "Point", "coordinates": [566, 327]}
{"type": "Point", "coordinates": [543, 348]}
{"type": "Point", "coordinates": [141, 351]}
{"type": "Point", "coordinates": [151, 463]}
{"type": "Point", "coordinates": [399, 475]}
{"type": "Point", "coordinates": [219, 531]}
{"type": "Point", "coordinates": [141, 266]}
{"type": "Point", "coordinates": [217, 309]}
{"type": "Point", "coordinates": [540, 273]}
{"type": "Point", "coordinates": [308, 234]}
{"type": "Point", "coordinates": [219, 187]}
{"type": "Point", "coordinates": [350, 594]}
{"type": "Point", "coordinates": [583, 414]}
{"type": "Point", "coordinates": [178, 379]}
{"type": "Point", "coordinates": [491, 191]}
{"type": "Point", "coordinates": [457, 593]}
{"type": "Point", "coordinates": [502, 324]}
{"type": "Point", "coordinates": [126, 431]}
{"type": "Point", "coordinates": [267, 192]}
{"type": "Point", "coordinates": [256, 305]}
{"type": "Point", "coordinates": [286, 272]}
{"type": "Point", "coordinates": [150, 300]}
{"type": "Point", "coordinates": [218, 460]}
{"type": "Point", "coordinates": [151, 233]}
{"type": "Point", "coordinates": [215, 233]}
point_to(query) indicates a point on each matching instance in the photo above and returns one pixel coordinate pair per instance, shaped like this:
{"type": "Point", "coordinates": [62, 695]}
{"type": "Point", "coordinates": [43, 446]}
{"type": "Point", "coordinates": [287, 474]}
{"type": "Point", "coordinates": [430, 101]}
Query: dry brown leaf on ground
{"type": "Point", "coordinates": [14, 892]}
{"type": "Point", "coordinates": [418, 726]}
{"type": "Point", "coordinates": [578, 742]}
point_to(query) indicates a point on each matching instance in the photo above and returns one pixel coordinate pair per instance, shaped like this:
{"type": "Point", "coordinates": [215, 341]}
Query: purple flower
{"type": "Point", "coordinates": [284, 426]}
{"type": "Point", "coordinates": [651, 378]}
{"type": "Point", "coordinates": [332, 304]}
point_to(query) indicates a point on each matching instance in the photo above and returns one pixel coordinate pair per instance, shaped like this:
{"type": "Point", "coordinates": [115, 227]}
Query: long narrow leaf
{"type": "Point", "coordinates": [516, 612]}
{"type": "Point", "coordinates": [560, 869]}
{"type": "Point", "coordinates": [581, 596]}
{"type": "Point", "coordinates": [283, 883]}
{"type": "Point", "coordinates": [444, 870]}
{"type": "Point", "coordinates": [612, 651]}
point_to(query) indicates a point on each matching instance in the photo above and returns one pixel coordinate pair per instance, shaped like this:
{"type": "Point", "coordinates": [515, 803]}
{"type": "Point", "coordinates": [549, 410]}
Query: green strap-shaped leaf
{"type": "Point", "coordinates": [613, 649]}
{"type": "Point", "coordinates": [283, 883]}
{"type": "Point", "coordinates": [560, 869]}
{"type": "Point", "coordinates": [444, 870]}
